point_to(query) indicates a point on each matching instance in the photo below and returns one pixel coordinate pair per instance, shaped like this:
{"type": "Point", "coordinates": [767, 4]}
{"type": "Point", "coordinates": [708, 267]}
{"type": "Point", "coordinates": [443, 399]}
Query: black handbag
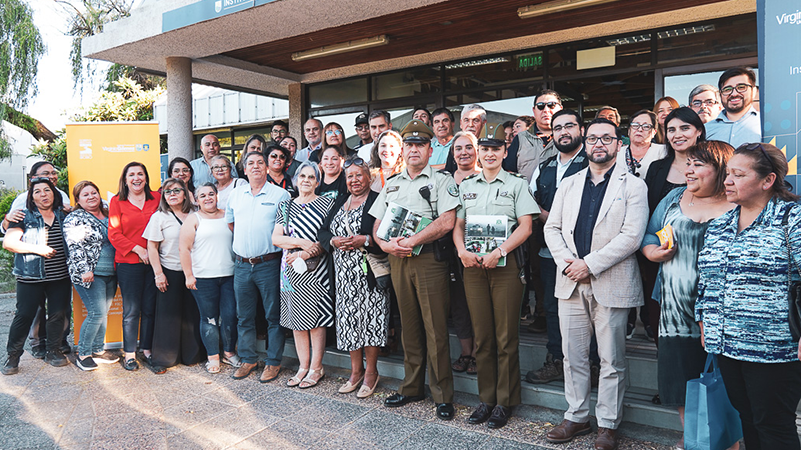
{"type": "Point", "coordinates": [794, 288]}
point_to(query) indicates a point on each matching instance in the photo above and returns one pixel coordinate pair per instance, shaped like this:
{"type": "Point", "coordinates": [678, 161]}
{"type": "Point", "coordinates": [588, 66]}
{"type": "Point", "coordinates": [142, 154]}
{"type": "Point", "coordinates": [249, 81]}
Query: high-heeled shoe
{"type": "Point", "coordinates": [367, 391]}
{"type": "Point", "coordinates": [297, 379]}
{"type": "Point", "coordinates": [311, 382]}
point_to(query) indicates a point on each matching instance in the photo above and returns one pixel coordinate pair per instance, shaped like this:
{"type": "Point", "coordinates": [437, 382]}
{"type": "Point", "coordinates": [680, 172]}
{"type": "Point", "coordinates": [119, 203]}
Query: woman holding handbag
{"type": "Point", "coordinates": [745, 269]}
{"type": "Point", "coordinates": [362, 306]}
{"type": "Point", "coordinates": [307, 306]}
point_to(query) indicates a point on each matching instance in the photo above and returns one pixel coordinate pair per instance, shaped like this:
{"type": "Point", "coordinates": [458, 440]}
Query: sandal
{"type": "Point", "coordinates": [233, 361]}
{"type": "Point", "coordinates": [213, 366]}
{"type": "Point", "coordinates": [471, 367]}
{"type": "Point", "coordinates": [297, 379]}
{"type": "Point", "coordinates": [311, 382]}
{"type": "Point", "coordinates": [461, 364]}
{"type": "Point", "coordinates": [130, 364]}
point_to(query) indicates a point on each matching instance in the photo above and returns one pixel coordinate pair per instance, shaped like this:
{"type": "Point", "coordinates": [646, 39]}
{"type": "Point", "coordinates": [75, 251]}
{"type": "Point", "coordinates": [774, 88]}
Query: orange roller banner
{"type": "Point", "coordinates": [98, 151]}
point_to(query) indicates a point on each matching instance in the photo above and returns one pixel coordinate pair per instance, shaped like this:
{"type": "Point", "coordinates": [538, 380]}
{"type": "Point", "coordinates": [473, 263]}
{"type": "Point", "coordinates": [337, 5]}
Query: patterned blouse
{"type": "Point", "coordinates": [84, 235]}
{"type": "Point", "coordinates": [743, 289]}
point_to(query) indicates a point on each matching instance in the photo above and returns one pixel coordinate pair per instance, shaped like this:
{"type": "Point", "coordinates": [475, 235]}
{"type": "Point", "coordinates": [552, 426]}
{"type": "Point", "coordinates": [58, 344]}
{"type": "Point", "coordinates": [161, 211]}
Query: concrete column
{"type": "Point", "coordinates": [179, 108]}
{"type": "Point", "coordinates": [296, 117]}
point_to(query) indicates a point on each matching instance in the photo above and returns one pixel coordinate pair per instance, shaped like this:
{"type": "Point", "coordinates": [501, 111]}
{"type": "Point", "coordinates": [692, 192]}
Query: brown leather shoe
{"type": "Point", "coordinates": [606, 440]}
{"type": "Point", "coordinates": [269, 374]}
{"type": "Point", "coordinates": [244, 370]}
{"type": "Point", "coordinates": [567, 430]}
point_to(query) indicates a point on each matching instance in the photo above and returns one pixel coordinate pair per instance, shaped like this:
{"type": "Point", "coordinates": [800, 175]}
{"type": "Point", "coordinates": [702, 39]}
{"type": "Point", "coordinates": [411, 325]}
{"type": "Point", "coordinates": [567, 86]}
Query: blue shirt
{"type": "Point", "coordinates": [745, 131]}
{"type": "Point", "coordinates": [254, 219]}
{"type": "Point", "coordinates": [591, 200]}
{"type": "Point", "coordinates": [203, 172]}
{"type": "Point", "coordinates": [439, 152]}
{"type": "Point", "coordinates": [742, 290]}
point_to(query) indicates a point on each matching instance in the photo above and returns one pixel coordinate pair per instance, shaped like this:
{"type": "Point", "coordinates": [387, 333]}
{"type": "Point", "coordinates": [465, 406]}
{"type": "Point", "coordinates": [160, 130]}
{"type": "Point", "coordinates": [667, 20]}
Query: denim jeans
{"type": "Point", "coordinates": [138, 288]}
{"type": "Point", "coordinates": [250, 280]}
{"type": "Point", "coordinates": [97, 300]}
{"type": "Point", "coordinates": [29, 297]}
{"type": "Point", "coordinates": [217, 305]}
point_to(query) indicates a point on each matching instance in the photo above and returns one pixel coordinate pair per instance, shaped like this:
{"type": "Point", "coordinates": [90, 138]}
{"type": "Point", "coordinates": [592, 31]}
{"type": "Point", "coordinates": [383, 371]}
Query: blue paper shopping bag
{"type": "Point", "coordinates": [710, 421]}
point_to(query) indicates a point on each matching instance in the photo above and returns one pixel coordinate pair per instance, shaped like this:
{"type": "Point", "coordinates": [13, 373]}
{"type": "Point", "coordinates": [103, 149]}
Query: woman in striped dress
{"type": "Point", "coordinates": [307, 306]}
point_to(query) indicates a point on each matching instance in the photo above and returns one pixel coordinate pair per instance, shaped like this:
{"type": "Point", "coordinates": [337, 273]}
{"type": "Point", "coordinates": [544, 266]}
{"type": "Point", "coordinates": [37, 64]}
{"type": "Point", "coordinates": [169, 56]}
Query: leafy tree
{"type": "Point", "coordinates": [21, 46]}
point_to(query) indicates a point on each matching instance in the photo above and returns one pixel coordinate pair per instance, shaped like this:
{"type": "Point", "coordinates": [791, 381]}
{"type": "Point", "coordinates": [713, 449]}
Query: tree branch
{"type": "Point", "coordinates": [29, 124]}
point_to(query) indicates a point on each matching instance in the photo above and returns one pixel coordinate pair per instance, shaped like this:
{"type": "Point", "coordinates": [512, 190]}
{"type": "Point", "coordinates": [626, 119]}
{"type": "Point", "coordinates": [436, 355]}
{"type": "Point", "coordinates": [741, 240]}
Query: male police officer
{"type": "Point", "coordinates": [421, 282]}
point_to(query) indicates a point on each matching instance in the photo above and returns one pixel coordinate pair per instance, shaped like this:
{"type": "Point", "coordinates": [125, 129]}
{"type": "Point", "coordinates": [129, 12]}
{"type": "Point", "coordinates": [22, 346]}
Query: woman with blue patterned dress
{"type": "Point", "coordinates": [688, 210]}
{"type": "Point", "coordinates": [742, 305]}
{"type": "Point", "coordinates": [307, 306]}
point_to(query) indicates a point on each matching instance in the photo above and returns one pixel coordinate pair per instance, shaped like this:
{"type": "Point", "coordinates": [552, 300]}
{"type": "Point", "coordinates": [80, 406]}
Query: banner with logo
{"type": "Point", "coordinates": [98, 151]}
{"type": "Point", "coordinates": [779, 31]}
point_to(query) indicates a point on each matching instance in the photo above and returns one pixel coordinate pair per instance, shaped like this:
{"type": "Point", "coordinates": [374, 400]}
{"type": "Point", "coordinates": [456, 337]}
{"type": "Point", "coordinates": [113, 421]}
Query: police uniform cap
{"type": "Point", "coordinates": [360, 119]}
{"type": "Point", "coordinates": [492, 135]}
{"type": "Point", "coordinates": [417, 131]}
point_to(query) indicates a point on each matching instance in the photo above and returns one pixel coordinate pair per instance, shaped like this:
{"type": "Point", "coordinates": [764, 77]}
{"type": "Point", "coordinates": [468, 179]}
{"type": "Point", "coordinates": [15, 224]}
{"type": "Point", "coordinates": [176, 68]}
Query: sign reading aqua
{"type": "Point", "coordinates": [204, 10]}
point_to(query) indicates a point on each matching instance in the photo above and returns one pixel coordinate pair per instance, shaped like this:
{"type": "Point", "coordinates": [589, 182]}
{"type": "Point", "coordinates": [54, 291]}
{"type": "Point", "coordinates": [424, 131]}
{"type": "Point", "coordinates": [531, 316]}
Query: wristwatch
{"type": "Point", "coordinates": [366, 240]}
{"type": "Point", "coordinates": [503, 252]}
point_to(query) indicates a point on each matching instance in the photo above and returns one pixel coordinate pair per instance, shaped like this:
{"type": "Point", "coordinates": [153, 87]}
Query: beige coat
{"type": "Point", "coordinates": [618, 232]}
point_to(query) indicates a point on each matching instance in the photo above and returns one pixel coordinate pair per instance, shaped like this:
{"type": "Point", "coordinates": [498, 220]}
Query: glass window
{"type": "Point", "coordinates": [408, 83]}
{"type": "Point", "coordinates": [346, 121]}
{"type": "Point", "coordinates": [488, 71]}
{"type": "Point", "coordinates": [724, 39]}
{"type": "Point", "coordinates": [338, 93]}
{"type": "Point", "coordinates": [241, 136]}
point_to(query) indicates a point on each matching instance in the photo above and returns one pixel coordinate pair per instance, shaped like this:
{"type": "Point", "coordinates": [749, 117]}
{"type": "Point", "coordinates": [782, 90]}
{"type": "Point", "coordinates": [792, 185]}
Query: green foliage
{"type": "Point", "coordinates": [129, 103]}
{"type": "Point", "coordinates": [21, 46]}
{"type": "Point", "coordinates": [7, 282]}
{"type": "Point", "coordinates": [88, 17]}
{"type": "Point", "coordinates": [56, 153]}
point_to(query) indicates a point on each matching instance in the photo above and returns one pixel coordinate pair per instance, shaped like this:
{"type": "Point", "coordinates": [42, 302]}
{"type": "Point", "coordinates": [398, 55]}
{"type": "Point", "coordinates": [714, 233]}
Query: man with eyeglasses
{"type": "Point", "coordinates": [313, 131]}
{"type": "Point", "coordinates": [421, 281]}
{"type": "Point", "coordinates": [279, 131]}
{"type": "Point", "coordinates": [705, 101]}
{"type": "Point", "coordinates": [365, 137]}
{"type": "Point", "coordinates": [38, 333]}
{"type": "Point", "coordinates": [739, 121]}
{"type": "Point", "coordinates": [533, 146]}
{"type": "Point", "coordinates": [567, 135]}
{"type": "Point", "coordinates": [593, 241]}
{"type": "Point", "coordinates": [209, 147]}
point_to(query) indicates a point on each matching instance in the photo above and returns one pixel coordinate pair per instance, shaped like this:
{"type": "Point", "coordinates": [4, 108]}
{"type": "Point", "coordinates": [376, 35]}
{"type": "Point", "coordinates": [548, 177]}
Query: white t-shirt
{"type": "Point", "coordinates": [654, 153]}
{"type": "Point", "coordinates": [164, 228]}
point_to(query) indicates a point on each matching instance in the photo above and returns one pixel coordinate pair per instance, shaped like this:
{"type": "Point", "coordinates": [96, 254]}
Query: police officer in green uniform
{"type": "Point", "coordinates": [421, 282]}
{"type": "Point", "coordinates": [492, 273]}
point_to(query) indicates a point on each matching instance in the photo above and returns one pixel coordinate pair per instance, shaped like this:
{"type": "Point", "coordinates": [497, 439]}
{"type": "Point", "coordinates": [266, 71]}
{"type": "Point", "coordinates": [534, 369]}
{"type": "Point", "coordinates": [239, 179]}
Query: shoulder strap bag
{"type": "Point", "coordinates": [794, 288]}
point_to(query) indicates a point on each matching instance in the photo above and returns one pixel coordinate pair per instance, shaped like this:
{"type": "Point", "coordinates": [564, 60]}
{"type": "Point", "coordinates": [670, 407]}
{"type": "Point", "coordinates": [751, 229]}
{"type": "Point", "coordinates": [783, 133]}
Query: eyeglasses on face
{"type": "Point", "coordinates": [708, 102]}
{"type": "Point", "coordinates": [362, 127]}
{"type": "Point", "coordinates": [741, 88]}
{"type": "Point", "coordinates": [333, 132]}
{"type": "Point", "coordinates": [641, 126]}
{"type": "Point", "coordinates": [605, 139]}
{"type": "Point", "coordinates": [47, 174]}
{"type": "Point", "coordinates": [550, 105]}
{"type": "Point", "coordinates": [219, 168]}
{"type": "Point", "coordinates": [567, 126]}
{"type": "Point", "coordinates": [351, 161]}
{"type": "Point", "coordinates": [280, 156]}
{"type": "Point", "coordinates": [174, 191]}
{"type": "Point", "coordinates": [757, 145]}
{"type": "Point", "coordinates": [184, 170]}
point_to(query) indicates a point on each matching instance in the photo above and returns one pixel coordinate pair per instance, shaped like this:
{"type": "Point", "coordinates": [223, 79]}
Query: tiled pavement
{"type": "Point", "coordinates": [46, 407]}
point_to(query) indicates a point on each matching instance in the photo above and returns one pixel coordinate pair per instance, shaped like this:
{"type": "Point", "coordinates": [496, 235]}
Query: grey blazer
{"type": "Point", "coordinates": [614, 275]}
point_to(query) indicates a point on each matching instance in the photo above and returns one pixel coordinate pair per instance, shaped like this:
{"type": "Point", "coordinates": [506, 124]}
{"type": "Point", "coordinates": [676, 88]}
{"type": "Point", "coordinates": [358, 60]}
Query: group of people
{"type": "Point", "coordinates": [688, 211]}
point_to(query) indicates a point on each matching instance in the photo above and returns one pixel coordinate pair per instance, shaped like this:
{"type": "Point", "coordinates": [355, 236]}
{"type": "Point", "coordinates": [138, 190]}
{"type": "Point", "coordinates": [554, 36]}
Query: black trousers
{"type": "Point", "coordinates": [176, 329]}
{"type": "Point", "coordinates": [766, 395]}
{"type": "Point", "coordinates": [56, 296]}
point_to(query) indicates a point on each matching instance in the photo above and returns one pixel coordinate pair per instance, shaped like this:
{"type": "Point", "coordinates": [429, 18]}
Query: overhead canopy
{"type": "Point", "coordinates": [251, 48]}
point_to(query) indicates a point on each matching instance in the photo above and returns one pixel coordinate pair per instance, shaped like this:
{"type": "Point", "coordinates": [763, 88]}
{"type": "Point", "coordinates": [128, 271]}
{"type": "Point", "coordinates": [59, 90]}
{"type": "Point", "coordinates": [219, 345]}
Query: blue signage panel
{"type": "Point", "coordinates": [779, 31]}
{"type": "Point", "coordinates": [203, 10]}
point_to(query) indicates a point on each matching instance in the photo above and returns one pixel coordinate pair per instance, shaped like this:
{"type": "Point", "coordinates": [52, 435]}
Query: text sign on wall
{"type": "Point", "coordinates": [779, 31]}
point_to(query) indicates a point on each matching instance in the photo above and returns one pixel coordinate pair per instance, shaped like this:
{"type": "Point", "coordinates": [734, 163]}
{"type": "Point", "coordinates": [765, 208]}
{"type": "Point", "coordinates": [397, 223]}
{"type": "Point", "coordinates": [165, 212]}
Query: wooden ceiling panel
{"type": "Point", "coordinates": [442, 26]}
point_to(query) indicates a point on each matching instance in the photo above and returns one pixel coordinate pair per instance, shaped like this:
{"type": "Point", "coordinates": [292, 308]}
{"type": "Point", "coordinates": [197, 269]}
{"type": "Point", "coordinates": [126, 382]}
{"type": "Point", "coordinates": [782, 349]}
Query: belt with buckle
{"type": "Point", "coordinates": [259, 259]}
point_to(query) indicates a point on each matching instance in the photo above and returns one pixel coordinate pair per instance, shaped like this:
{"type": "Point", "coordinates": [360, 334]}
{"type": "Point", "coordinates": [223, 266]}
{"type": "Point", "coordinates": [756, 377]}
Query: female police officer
{"type": "Point", "coordinates": [494, 290]}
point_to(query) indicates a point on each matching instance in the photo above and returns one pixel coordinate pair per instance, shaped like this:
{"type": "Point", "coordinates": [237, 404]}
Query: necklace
{"type": "Point", "coordinates": [692, 200]}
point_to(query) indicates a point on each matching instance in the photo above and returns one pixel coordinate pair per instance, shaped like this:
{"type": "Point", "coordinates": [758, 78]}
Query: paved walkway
{"type": "Point", "coordinates": [46, 407]}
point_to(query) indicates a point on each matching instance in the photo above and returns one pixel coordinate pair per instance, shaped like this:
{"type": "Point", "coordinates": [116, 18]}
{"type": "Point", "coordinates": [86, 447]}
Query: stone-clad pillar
{"type": "Point", "coordinates": [296, 118]}
{"type": "Point", "coordinates": [179, 108]}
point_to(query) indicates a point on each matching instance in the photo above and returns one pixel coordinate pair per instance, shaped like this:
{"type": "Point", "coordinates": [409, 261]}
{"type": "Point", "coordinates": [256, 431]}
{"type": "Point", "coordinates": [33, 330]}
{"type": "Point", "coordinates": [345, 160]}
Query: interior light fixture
{"type": "Point", "coordinates": [344, 47]}
{"type": "Point", "coordinates": [476, 62]}
{"type": "Point", "coordinates": [542, 9]}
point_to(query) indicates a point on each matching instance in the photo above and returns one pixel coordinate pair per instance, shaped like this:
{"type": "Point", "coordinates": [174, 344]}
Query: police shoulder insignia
{"type": "Point", "coordinates": [393, 176]}
{"type": "Point", "coordinates": [445, 172]}
{"type": "Point", "coordinates": [470, 177]}
{"type": "Point", "coordinates": [453, 190]}
{"type": "Point", "coordinates": [518, 175]}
